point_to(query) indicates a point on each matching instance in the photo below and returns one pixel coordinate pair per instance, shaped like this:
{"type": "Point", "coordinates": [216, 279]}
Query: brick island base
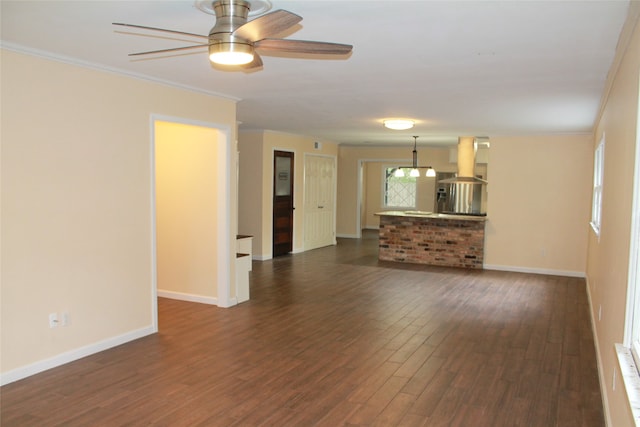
{"type": "Point", "coordinates": [436, 239]}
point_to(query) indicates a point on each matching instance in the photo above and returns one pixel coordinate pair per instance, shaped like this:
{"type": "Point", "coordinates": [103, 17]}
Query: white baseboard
{"type": "Point", "coordinates": [546, 271]}
{"type": "Point", "coordinates": [70, 356]}
{"type": "Point", "coordinates": [187, 297]}
{"type": "Point", "coordinates": [348, 236]}
{"type": "Point", "coordinates": [262, 257]}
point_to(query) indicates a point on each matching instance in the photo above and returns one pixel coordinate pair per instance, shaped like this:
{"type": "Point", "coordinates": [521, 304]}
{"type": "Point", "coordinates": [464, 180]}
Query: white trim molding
{"type": "Point", "coordinates": [72, 355]}
{"type": "Point", "coordinates": [181, 296]}
{"type": "Point", "coordinates": [223, 225]}
{"type": "Point", "coordinates": [601, 375]}
{"type": "Point", "coordinates": [630, 378]}
{"type": "Point", "coordinates": [546, 271]}
{"type": "Point", "coordinates": [18, 48]}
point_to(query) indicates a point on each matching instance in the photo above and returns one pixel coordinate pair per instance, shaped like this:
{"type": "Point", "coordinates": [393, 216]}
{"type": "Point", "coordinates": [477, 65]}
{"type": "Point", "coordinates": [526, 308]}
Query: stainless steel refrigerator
{"type": "Point", "coordinates": [457, 198]}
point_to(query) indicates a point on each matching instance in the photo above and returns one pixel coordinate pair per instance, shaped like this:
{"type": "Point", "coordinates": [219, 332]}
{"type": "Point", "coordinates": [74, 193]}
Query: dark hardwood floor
{"type": "Point", "coordinates": [334, 337]}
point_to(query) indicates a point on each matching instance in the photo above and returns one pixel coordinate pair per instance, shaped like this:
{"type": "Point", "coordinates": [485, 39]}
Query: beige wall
{"type": "Point", "coordinates": [538, 198]}
{"type": "Point", "coordinates": [250, 200]}
{"type": "Point", "coordinates": [256, 157]}
{"type": "Point", "coordinates": [371, 188]}
{"type": "Point", "coordinates": [76, 205]}
{"type": "Point", "coordinates": [608, 257]}
{"type": "Point", "coordinates": [539, 203]}
{"type": "Point", "coordinates": [186, 209]}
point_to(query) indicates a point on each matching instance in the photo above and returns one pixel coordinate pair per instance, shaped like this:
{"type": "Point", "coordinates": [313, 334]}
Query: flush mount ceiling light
{"type": "Point", "coordinates": [230, 53]}
{"type": "Point", "coordinates": [225, 46]}
{"type": "Point", "coordinates": [398, 124]}
{"type": "Point", "coordinates": [415, 169]}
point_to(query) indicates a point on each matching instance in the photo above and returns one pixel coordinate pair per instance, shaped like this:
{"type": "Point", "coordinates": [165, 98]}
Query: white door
{"type": "Point", "coordinates": [319, 201]}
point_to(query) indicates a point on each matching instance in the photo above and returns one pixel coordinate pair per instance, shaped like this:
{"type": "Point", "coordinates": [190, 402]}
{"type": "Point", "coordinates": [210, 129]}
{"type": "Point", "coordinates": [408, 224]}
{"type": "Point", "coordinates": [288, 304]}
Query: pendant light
{"type": "Point", "coordinates": [415, 169]}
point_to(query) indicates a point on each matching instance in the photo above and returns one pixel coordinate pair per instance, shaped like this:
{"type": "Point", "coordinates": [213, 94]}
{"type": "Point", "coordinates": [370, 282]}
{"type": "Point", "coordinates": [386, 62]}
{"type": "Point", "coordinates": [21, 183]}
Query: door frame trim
{"type": "Point", "coordinates": [359, 195]}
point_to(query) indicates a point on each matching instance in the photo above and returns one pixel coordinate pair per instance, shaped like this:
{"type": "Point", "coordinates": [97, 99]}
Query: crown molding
{"type": "Point", "coordinates": [112, 70]}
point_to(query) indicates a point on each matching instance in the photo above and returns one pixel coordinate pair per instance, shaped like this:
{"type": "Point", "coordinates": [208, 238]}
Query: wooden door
{"type": "Point", "coordinates": [282, 203]}
{"type": "Point", "coordinates": [319, 201]}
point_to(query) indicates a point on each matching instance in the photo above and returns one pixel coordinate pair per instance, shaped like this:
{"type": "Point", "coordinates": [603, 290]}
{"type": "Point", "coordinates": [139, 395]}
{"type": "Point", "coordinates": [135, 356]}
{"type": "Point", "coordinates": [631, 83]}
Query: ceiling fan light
{"type": "Point", "coordinates": [398, 124]}
{"type": "Point", "coordinates": [231, 53]}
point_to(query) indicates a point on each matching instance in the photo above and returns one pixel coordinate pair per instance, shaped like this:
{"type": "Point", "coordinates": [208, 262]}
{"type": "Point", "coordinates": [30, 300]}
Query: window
{"type": "Point", "coordinates": [398, 192]}
{"type": "Point", "coordinates": [598, 172]}
{"type": "Point", "coordinates": [629, 367]}
{"type": "Point", "coordinates": [629, 352]}
{"type": "Point", "coordinates": [633, 294]}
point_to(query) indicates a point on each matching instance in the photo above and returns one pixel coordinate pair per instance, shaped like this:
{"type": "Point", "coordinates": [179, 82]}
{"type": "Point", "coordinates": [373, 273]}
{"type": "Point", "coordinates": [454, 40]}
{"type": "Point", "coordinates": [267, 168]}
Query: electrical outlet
{"type": "Point", "coordinates": [53, 320]}
{"type": "Point", "coordinates": [64, 321]}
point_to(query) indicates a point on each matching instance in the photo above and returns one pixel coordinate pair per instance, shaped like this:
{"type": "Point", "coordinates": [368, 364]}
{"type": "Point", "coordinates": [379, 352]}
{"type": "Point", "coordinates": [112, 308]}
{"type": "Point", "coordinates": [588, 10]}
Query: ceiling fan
{"type": "Point", "coordinates": [237, 43]}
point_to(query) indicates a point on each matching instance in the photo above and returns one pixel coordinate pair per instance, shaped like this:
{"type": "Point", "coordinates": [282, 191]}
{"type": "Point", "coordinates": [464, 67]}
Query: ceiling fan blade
{"type": "Point", "coordinates": [267, 25]}
{"type": "Point", "coordinates": [160, 29]}
{"type": "Point", "coordinates": [302, 46]}
{"type": "Point", "coordinates": [168, 50]}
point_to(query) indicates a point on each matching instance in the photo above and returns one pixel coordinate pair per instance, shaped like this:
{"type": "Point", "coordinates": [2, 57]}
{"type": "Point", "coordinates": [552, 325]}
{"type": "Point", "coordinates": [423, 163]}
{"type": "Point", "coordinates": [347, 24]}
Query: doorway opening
{"type": "Point", "coordinates": [190, 197]}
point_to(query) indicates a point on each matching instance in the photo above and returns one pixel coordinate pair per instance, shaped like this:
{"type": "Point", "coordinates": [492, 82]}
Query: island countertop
{"type": "Point", "coordinates": [424, 214]}
{"type": "Point", "coordinates": [431, 238]}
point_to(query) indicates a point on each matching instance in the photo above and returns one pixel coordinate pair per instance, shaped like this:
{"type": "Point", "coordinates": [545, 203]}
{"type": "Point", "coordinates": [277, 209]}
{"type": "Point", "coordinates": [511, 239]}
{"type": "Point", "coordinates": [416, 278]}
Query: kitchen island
{"type": "Point", "coordinates": [429, 238]}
